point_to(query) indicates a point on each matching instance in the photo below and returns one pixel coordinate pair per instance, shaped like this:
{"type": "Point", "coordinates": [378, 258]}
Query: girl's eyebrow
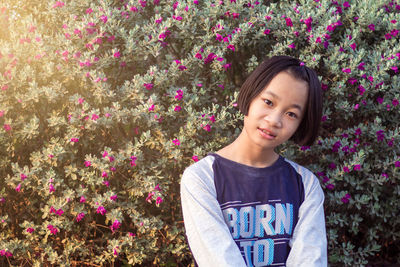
{"type": "Point", "coordinates": [278, 98]}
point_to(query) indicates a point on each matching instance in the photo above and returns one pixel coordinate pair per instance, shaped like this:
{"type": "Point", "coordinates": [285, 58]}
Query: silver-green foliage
{"type": "Point", "coordinates": [107, 101]}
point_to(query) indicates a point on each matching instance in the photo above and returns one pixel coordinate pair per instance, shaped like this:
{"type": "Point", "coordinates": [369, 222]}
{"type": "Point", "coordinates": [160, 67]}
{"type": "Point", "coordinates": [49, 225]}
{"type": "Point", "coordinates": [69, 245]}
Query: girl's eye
{"type": "Point", "coordinates": [293, 115]}
{"type": "Point", "coordinates": [268, 102]}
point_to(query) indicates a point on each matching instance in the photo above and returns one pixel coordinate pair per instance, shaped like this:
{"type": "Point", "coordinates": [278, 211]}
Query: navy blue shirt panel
{"type": "Point", "coordinates": [258, 204]}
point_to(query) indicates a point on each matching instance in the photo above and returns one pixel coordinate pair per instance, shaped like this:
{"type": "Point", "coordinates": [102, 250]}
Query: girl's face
{"type": "Point", "coordinates": [275, 114]}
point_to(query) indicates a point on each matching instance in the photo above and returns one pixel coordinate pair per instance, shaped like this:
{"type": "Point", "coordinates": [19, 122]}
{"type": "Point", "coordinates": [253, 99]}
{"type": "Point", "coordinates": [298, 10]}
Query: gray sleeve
{"type": "Point", "coordinates": [309, 243]}
{"type": "Point", "coordinates": [208, 235]}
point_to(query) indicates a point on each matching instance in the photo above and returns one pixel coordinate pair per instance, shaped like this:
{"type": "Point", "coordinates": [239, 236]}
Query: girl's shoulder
{"type": "Point", "coordinates": [308, 177]}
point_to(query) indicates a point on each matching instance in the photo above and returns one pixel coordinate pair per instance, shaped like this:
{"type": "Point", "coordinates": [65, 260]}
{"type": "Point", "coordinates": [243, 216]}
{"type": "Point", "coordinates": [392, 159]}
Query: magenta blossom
{"type": "Point", "coordinates": [101, 210]}
{"type": "Point", "coordinates": [150, 197]}
{"type": "Point", "coordinates": [148, 86]}
{"type": "Point", "coordinates": [80, 216]}
{"type": "Point", "coordinates": [289, 22]}
{"type": "Point", "coordinates": [58, 4]}
{"type": "Point", "coordinates": [176, 142]}
{"type": "Point", "coordinates": [7, 127]}
{"type": "Point", "coordinates": [113, 197]}
{"type": "Point", "coordinates": [116, 224]}
{"type": "Point", "coordinates": [18, 188]}
{"type": "Point", "coordinates": [30, 230]}
{"type": "Point", "coordinates": [87, 163]}
{"type": "Point", "coordinates": [51, 188]}
{"type": "Point", "coordinates": [159, 200]}
{"type": "Point", "coordinates": [82, 199]}
{"type": "Point", "coordinates": [357, 167]}
{"type": "Point", "coordinates": [195, 158]}
{"type": "Point", "coordinates": [177, 108]}
{"type": "Point", "coordinates": [330, 186]}
{"type": "Point", "coordinates": [52, 229]}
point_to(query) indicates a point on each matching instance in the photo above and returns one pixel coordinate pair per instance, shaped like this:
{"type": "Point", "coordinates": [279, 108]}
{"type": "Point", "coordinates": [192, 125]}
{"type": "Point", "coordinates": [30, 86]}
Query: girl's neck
{"type": "Point", "coordinates": [250, 155]}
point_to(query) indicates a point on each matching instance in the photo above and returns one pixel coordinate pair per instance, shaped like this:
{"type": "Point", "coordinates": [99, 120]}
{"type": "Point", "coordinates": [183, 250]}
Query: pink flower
{"type": "Point", "coordinates": [353, 46]}
{"type": "Point", "coordinates": [357, 167]}
{"type": "Point", "coordinates": [30, 230]}
{"type": "Point", "coordinates": [150, 197]}
{"type": "Point", "coordinates": [101, 210]}
{"type": "Point", "coordinates": [104, 174]}
{"type": "Point", "coordinates": [51, 188]}
{"type": "Point", "coordinates": [176, 142]}
{"type": "Point", "coordinates": [117, 54]}
{"type": "Point", "coordinates": [179, 94]}
{"type": "Point", "coordinates": [227, 66]}
{"type": "Point", "coordinates": [207, 128]}
{"type": "Point", "coordinates": [395, 102]}
{"type": "Point", "coordinates": [157, 187]}
{"type": "Point", "coordinates": [74, 140]}
{"type": "Point", "coordinates": [104, 18]}
{"type": "Point", "coordinates": [7, 127]}
{"type": "Point", "coordinates": [87, 163]}
{"type": "Point", "coordinates": [133, 159]}
{"type": "Point", "coordinates": [2, 113]}
{"type": "Point", "coordinates": [346, 70]}
{"type": "Point", "coordinates": [159, 200]}
{"type": "Point", "coordinates": [289, 22]}
{"type": "Point", "coordinates": [182, 67]}
{"type": "Point", "coordinates": [82, 200]}
{"type": "Point", "coordinates": [89, 11]}
{"type": "Point", "coordinates": [346, 169]}
{"type": "Point", "coordinates": [371, 27]}
{"type": "Point", "coordinates": [80, 216]}
{"type": "Point", "coordinates": [148, 86]}
{"type": "Point", "coordinates": [397, 164]}
{"type": "Point", "coordinates": [267, 31]}
{"type": "Point", "coordinates": [292, 45]}
{"type": "Point", "coordinates": [116, 224]}
{"type": "Point", "coordinates": [199, 56]}
{"type": "Point", "coordinates": [231, 47]}
{"type": "Point", "coordinates": [52, 229]}
{"type": "Point", "coordinates": [330, 186]}
{"type": "Point", "coordinates": [81, 100]}
{"type": "Point", "coordinates": [23, 176]}
{"type": "Point", "coordinates": [58, 4]}
{"type": "Point", "coordinates": [395, 69]}
{"type": "Point", "coordinates": [113, 197]}
{"type": "Point", "coordinates": [177, 108]}
{"type": "Point", "coordinates": [195, 158]}
{"type": "Point", "coordinates": [59, 212]}
{"type": "Point", "coordinates": [18, 188]}
{"type": "Point", "coordinates": [95, 117]}
{"type": "Point", "coordinates": [179, 18]}
{"type": "Point", "coordinates": [346, 198]}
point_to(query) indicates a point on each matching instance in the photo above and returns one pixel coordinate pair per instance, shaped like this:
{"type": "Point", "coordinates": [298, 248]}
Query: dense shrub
{"type": "Point", "coordinates": [104, 103]}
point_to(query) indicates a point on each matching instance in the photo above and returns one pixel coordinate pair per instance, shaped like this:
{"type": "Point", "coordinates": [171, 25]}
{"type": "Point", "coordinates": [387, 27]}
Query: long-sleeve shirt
{"type": "Point", "coordinates": [237, 215]}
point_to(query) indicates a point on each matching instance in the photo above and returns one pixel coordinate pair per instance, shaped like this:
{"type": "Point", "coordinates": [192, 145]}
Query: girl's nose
{"type": "Point", "coordinates": [274, 119]}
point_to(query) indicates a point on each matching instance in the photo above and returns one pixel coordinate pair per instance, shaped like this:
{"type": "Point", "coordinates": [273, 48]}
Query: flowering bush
{"type": "Point", "coordinates": [103, 105]}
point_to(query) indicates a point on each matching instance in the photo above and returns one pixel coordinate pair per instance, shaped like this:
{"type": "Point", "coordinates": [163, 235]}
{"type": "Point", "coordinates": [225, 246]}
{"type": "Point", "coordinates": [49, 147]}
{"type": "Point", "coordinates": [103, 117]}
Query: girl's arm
{"type": "Point", "coordinates": [209, 237]}
{"type": "Point", "coordinates": [309, 244]}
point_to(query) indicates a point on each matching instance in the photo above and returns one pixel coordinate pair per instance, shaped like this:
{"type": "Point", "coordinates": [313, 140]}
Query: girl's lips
{"type": "Point", "coordinates": [266, 134]}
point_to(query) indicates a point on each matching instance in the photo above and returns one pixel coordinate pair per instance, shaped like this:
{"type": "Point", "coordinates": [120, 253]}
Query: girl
{"type": "Point", "coordinates": [246, 205]}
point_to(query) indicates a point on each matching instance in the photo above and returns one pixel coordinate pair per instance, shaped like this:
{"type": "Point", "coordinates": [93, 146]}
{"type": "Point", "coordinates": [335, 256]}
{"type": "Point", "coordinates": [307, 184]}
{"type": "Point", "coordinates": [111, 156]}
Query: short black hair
{"type": "Point", "coordinates": [307, 131]}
